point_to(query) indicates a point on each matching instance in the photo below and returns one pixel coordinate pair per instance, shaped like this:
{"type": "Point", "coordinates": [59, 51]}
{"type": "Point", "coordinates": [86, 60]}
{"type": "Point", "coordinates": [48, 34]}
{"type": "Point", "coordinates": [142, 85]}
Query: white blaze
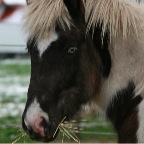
{"type": "Point", "coordinates": [33, 113]}
{"type": "Point", "coordinates": [45, 43]}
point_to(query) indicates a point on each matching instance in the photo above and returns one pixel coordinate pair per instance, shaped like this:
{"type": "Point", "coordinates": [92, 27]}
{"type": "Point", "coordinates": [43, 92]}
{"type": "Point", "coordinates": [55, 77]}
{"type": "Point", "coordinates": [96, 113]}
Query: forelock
{"type": "Point", "coordinates": [42, 16]}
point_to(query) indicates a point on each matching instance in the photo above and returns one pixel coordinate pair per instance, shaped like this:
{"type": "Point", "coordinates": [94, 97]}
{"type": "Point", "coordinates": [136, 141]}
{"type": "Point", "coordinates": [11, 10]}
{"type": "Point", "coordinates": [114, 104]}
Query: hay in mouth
{"type": "Point", "coordinates": [68, 130]}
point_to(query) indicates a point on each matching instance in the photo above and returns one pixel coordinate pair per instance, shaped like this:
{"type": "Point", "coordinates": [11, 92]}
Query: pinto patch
{"type": "Point", "coordinates": [33, 113]}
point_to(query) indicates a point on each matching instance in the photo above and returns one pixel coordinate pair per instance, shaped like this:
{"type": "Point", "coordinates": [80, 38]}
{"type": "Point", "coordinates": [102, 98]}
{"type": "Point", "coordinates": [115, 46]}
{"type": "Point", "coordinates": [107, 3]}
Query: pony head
{"type": "Point", "coordinates": [65, 68]}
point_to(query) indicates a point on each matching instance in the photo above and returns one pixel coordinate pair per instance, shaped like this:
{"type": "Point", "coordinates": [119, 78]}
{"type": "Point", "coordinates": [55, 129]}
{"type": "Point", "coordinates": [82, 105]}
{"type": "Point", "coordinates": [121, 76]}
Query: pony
{"type": "Point", "coordinates": [85, 52]}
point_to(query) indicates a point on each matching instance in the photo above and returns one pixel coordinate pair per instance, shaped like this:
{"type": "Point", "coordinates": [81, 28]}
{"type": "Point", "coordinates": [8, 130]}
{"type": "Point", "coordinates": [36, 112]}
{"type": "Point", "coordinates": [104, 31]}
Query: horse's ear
{"type": "Point", "coordinates": [27, 2]}
{"type": "Point", "coordinates": [74, 7]}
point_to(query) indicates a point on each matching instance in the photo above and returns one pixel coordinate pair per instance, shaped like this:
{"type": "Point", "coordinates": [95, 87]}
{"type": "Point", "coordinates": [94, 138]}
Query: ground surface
{"type": "Point", "coordinates": [14, 81]}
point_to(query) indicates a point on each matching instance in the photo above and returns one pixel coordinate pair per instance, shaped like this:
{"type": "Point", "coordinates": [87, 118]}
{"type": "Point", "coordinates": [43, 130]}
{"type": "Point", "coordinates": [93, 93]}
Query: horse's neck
{"type": "Point", "coordinates": [122, 88]}
{"type": "Point", "coordinates": [122, 92]}
{"type": "Point", "coordinates": [122, 58]}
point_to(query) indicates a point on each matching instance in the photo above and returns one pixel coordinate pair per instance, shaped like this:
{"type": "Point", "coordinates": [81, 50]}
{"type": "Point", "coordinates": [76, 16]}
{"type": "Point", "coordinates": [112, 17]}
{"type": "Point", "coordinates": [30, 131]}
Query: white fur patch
{"type": "Point", "coordinates": [45, 43]}
{"type": "Point", "coordinates": [33, 113]}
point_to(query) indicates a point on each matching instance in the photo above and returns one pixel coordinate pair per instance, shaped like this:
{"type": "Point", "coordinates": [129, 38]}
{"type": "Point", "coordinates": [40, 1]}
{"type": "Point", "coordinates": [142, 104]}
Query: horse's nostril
{"type": "Point", "coordinates": [29, 128]}
{"type": "Point", "coordinates": [38, 126]}
{"type": "Point", "coordinates": [44, 123]}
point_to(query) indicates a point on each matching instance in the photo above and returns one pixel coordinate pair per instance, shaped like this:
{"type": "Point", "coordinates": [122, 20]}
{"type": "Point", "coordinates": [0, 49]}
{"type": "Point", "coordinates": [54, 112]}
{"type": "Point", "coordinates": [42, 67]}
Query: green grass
{"type": "Point", "coordinates": [14, 69]}
{"type": "Point", "coordinates": [14, 75]}
{"type": "Point", "coordinates": [11, 129]}
{"type": "Point", "coordinates": [101, 131]}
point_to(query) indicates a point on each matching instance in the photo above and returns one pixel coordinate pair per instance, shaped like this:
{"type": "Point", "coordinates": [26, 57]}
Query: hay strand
{"type": "Point", "coordinates": [67, 129]}
{"type": "Point", "coordinates": [19, 136]}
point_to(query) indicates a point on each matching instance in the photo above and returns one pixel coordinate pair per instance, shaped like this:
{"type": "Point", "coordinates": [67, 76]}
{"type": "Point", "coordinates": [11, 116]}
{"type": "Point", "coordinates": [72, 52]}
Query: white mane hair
{"type": "Point", "coordinates": [117, 16]}
{"type": "Point", "coordinates": [42, 16]}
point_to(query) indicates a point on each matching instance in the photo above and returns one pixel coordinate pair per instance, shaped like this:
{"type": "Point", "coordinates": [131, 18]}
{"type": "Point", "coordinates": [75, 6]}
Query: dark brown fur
{"type": "Point", "coordinates": [123, 114]}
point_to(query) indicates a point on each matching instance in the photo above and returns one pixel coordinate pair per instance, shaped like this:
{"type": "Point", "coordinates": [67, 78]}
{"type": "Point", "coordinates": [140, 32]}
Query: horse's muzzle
{"type": "Point", "coordinates": [40, 130]}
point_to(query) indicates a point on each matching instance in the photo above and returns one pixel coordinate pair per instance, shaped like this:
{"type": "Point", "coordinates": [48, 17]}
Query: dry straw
{"type": "Point", "coordinates": [19, 136]}
{"type": "Point", "coordinates": [68, 129]}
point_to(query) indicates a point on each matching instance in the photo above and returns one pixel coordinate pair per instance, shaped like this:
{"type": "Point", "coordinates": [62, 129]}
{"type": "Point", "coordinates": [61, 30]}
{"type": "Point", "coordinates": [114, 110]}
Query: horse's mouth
{"type": "Point", "coordinates": [48, 137]}
{"type": "Point", "coordinates": [49, 134]}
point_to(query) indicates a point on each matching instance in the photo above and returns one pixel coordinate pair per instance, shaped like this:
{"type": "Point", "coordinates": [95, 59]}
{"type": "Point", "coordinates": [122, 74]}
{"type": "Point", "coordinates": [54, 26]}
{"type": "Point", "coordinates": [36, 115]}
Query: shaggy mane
{"type": "Point", "coordinates": [42, 16]}
{"type": "Point", "coordinates": [117, 16]}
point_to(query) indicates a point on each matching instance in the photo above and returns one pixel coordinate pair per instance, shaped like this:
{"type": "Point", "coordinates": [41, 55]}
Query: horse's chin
{"type": "Point", "coordinates": [47, 138]}
{"type": "Point", "coordinates": [52, 138]}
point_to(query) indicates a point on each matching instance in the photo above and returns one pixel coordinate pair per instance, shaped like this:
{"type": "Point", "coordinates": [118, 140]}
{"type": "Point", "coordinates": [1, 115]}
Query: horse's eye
{"type": "Point", "coordinates": [72, 50]}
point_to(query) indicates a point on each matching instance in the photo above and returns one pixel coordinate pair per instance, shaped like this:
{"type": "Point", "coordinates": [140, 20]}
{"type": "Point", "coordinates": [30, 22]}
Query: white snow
{"type": "Point", "coordinates": [13, 90]}
{"type": "Point", "coordinates": [11, 109]}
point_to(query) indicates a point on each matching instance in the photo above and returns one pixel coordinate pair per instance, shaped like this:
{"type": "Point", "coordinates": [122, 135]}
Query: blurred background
{"type": "Point", "coordinates": [14, 81]}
